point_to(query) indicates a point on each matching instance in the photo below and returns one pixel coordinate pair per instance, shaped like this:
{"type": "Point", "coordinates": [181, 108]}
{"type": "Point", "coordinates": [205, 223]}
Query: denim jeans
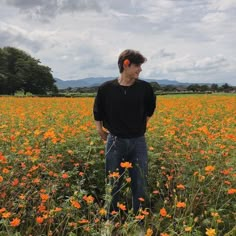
{"type": "Point", "coordinates": [133, 150]}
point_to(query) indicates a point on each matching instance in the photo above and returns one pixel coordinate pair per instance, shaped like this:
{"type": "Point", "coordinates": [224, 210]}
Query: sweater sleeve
{"type": "Point", "coordinates": [98, 106]}
{"type": "Point", "coordinates": [150, 101]}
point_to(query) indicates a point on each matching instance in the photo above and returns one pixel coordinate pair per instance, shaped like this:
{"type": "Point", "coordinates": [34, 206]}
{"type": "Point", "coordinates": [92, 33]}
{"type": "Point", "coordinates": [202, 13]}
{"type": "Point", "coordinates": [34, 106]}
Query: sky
{"type": "Point", "coordinates": [184, 40]}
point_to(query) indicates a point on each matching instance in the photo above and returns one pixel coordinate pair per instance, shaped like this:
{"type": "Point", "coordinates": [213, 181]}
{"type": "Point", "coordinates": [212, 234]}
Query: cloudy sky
{"type": "Point", "coordinates": [184, 40]}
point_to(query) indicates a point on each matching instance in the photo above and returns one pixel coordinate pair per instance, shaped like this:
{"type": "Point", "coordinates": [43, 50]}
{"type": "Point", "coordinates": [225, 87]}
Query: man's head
{"type": "Point", "coordinates": [129, 57]}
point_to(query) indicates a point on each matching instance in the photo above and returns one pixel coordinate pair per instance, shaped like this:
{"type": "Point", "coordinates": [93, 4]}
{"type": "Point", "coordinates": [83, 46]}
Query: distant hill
{"type": "Point", "coordinates": [96, 81]}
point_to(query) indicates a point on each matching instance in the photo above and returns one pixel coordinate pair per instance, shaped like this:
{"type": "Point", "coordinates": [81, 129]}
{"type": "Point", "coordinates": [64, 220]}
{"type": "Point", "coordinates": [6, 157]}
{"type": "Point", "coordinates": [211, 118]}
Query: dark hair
{"type": "Point", "coordinates": [135, 57]}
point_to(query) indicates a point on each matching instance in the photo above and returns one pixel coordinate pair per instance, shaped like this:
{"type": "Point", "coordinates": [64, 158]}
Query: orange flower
{"type": "Point", "coordinates": [36, 181]}
{"type": "Point", "coordinates": [22, 197]}
{"type": "Point", "coordinates": [2, 209]}
{"type": "Point", "coordinates": [141, 199]}
{"type": "Point", "coordinates": [65, 176]}
{"type": "Point", "coordinates": [3, 159]}
{"type": "Point", "coordinates": [209, 168]}
{"type": "Point", "coordinates": [41, 208]}
{"type": "Point", "coordinates": [114, 212]}
{"type": "Point", "coordinates": [180, 186]}
{"type": "Point", "coordinates": [70, 152]}
{"type": "Point", "coordinates": [83, 221]}
{"type": "Point", "coordinates": [227, 182]}
{"type": "Point", "coordinates": [5, 171]}
{"type": "Point", "coordinates": [114, 175]}
{"type": "Point", "coordinates": [155, 192]}
{"type": "Point", "coordinates": [139, 217]}
{"type": "Point", "coordinates": [6, 214]}
{"type": "Point", "coordinates": [75, 204]}
{"type": "Point", "coordinates": [15, 182]}
{"type": "Point", "coordinates": [88, 199]}
{"type": "Point", "coordinates": [145, 212]}
{"type": "Point", "coordinates": [163, 212]}
{"type": "Point", "coordinates": [101, 152]}
{"type": "Point", "coordinates": [232, 191]}
{"type": "Point", "coordinates": [58, 209]}
{"type": "Point", "coordinates": [151, 148]}
{"type": "Point", "coordinates": [126, 62]}
{"type": "Point", "coordinates": [181, 204]}
{"type": "Point", "coordinates": [15, 222]}
{"type": "Point", "coordinates": [126, 165]}
{"type": "Point", "coordinates": [121, 206]}
{"type": "Point", "coordinates": [44, 197]}
{"type": "Point", "coordinates": [1, 178]}
{"type": "Point", "coordinates": [128, 179]}
{"type": "Point", "coordinates": [39, 219]}
{"type": "Point", "coordinates": [225, 172]}
{"type": "Point", "coordinates": [164, 234]}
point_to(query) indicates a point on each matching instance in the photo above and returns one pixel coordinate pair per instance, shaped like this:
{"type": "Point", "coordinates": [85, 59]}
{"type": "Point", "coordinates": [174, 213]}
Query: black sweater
{"type": "Point", "coordinates": [124, 109]}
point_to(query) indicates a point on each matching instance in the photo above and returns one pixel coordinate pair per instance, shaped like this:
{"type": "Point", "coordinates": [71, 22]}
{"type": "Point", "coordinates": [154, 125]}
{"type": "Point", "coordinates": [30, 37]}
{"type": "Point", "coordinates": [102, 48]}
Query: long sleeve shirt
{"type": "Point", "coordinates": [124, 109]}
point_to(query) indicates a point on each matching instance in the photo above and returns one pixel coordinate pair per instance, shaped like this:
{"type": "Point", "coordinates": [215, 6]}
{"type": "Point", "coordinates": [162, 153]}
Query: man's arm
{"type": "Point", "coordinates": [103, 134]}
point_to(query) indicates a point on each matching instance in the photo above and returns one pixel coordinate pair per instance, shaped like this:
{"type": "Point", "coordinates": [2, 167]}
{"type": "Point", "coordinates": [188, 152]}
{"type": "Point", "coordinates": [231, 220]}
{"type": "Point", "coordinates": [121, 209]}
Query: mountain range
{"type": "Point", "coordinates": [96, 81]}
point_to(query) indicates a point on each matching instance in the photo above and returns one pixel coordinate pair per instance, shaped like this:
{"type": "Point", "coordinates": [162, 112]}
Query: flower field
{"type": "Point", "coordinates": [52, 179]}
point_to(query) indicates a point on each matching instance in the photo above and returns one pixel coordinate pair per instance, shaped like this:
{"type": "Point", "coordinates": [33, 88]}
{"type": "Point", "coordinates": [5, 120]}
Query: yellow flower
{"type": "Point", "coordinates": [102, 212]}
{"type": "Point", "coordinates": [149, 232]}
{"type": "Point", "coordinates": [188, 229]}
{"type": "Point", "coordinates": [210, 232]}
{"type": "Point", "coordinates": [215, 214]}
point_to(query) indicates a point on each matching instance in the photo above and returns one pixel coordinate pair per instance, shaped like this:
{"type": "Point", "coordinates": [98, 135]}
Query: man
{"type": "Point", "coordinates": [123, 106]}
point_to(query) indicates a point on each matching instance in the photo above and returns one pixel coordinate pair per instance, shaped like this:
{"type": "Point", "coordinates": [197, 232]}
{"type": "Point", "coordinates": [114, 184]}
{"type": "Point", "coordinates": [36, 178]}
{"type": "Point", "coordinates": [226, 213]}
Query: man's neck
{"type": "Point", "coordinates": [126, 81]}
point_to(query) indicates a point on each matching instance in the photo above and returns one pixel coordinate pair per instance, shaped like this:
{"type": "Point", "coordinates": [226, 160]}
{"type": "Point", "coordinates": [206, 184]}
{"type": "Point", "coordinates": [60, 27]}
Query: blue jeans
{"type": "Point", "coordinates": [133, 150]}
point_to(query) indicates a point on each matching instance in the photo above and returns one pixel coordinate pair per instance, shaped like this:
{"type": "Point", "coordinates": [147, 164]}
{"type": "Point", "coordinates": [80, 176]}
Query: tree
{"type": "Point", "coordinates": [194, 87]}
{"type": "Point", "coordinates": [226, 88]}
{"type": "Point", "coordinates": [214, 87]}
{"type": "Point", "coordinates": [20, 71]}
{"type": "Point", "coordinates": [204, 88]}
{"type": "Point", "coordinates": [155, 86]}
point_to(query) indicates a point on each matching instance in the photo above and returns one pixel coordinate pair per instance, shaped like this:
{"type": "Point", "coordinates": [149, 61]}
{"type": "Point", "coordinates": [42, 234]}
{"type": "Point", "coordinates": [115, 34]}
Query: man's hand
{"type": "Point", "coordinates": [103, 134]}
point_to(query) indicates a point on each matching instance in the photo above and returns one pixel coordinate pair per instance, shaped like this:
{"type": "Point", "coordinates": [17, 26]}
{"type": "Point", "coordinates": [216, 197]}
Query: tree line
{"type": "Point", "coordinates": [195, 88]}
{"type": "Point", "coordinates": [21, 72]}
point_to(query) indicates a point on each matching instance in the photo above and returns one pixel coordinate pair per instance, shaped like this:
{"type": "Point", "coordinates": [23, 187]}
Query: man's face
{"type": "Point", "coordinates": [133, 70]}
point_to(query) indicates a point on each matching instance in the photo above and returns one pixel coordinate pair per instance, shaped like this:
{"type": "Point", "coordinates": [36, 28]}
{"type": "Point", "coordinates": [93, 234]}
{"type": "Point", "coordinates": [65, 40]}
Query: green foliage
{"type": "Point", "coordinates": [20, 71]}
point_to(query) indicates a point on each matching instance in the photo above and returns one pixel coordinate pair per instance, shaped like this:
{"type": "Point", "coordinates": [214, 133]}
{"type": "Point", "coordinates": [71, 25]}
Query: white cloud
{"type": "Point", "coordinates": [185, 40]}
{"type": "Point", "coordinates": [222, 5]}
